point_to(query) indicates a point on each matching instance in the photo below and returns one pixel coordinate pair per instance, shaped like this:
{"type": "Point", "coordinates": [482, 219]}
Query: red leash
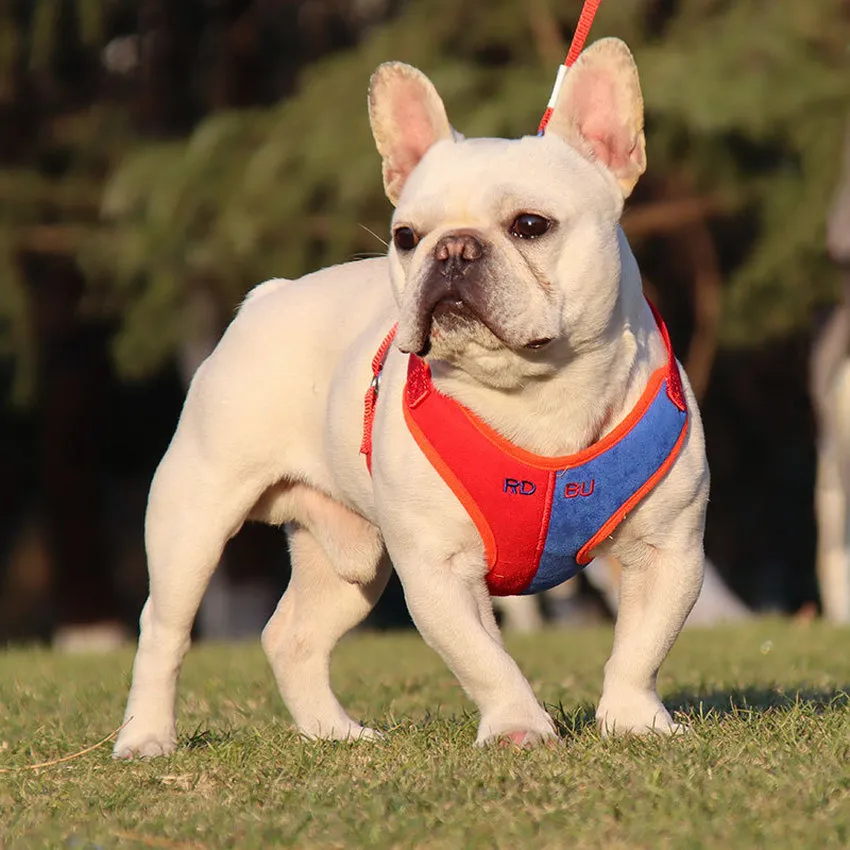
{"type": "Point", "coordinates": [585, 22]}
{"type": "Point", "coordinates": [372, 396]}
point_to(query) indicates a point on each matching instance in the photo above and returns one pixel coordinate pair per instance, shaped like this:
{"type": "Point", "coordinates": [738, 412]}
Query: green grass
{"type": "Point", "coordinates": [766, 763]}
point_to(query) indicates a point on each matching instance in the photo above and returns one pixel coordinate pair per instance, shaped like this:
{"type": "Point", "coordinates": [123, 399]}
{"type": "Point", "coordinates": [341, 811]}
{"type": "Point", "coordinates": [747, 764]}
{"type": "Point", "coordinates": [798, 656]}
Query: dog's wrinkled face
{"type": "Point", "coordinates": [499, 242]}
{"type": "Point", "coordinates": [509, 250]}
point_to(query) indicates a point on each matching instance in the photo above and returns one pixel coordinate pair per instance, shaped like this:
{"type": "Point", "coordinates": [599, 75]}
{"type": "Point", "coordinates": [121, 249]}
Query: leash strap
{"type": "Point", "coordinates": [585, 22]}
{"type": "Point", "coordinates": [371, 399]}
{"type": "Point", "coordinates": [582, 30]}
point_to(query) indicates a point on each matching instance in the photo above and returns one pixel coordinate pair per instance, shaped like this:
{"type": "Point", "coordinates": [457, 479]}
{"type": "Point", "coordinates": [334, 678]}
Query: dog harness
{"type": "Point", "coordinates": [540, 517]}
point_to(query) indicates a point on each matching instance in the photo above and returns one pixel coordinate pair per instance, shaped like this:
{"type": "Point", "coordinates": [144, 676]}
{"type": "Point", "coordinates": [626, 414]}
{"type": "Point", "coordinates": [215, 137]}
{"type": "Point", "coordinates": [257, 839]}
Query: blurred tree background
{"type": "Point", "coordinates": [160, 157]}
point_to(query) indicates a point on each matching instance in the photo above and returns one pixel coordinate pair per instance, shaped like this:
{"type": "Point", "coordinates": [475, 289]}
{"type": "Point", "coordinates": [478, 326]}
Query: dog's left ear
{"type": "Point", "coordinates": [599, 111]}
{"type": "Point", "coordinates": [407, 117]}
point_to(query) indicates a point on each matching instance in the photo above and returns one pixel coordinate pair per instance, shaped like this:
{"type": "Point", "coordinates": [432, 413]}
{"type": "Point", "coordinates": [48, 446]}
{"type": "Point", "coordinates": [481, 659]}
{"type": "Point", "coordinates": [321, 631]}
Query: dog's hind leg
{"type": "Point", "coordinates": [317, 609]}
{"type": "Point", "coordinates": [519, 613]}
{"type": "Point", "coordinates": [192, 512]}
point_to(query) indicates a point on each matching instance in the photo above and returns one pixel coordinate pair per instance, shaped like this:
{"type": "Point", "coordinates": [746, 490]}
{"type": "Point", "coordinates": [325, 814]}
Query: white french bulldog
{"type": "Point", "coordinates": [510, 275]}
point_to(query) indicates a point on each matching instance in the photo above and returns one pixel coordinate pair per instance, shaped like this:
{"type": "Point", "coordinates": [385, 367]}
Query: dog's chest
{"type": "Point", "coordinates": [541, 517]}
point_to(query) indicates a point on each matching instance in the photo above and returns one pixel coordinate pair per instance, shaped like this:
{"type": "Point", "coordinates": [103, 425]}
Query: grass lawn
{"type": "Point", "coordinates": [766, 763]}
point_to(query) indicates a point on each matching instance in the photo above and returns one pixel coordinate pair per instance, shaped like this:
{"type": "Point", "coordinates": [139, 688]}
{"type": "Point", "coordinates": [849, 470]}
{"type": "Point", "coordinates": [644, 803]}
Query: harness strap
{"type": "Point", "coordinates": [675, 390]}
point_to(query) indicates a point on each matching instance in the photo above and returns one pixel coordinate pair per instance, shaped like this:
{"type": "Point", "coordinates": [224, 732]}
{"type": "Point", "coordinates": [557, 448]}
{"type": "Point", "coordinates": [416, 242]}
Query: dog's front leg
{"type": "Point", "coordinates": [658, 588]}
{"type": "Point", "coordinates": [450, 606]}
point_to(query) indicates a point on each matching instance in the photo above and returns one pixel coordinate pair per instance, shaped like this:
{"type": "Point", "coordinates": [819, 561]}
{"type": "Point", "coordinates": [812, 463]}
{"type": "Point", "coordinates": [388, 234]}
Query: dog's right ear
{"type": "Point", "coordinates": [599, 111]}
{"type": "Point", "coordinates": [407, 117]}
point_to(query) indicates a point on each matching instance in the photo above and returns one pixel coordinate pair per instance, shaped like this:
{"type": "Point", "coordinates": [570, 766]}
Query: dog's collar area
{"type": "Point", "coordinates": [420, 385]}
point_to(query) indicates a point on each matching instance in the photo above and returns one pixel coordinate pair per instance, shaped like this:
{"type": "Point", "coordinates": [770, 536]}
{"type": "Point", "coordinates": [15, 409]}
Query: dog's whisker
{"type": "Point", "coordinates": [372, 233]}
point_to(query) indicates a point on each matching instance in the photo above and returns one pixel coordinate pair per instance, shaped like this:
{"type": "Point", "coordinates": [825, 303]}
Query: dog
{"type": "Point", "coordinates": [519, 320]}
{"type": "Point", "coordinates": [830, 389]}
{"type": "Point", "coordinates": [716, 604]}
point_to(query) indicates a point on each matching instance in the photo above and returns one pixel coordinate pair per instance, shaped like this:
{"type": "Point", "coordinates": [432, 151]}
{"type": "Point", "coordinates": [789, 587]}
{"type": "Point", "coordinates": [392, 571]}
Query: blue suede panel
{"type": "Point", "coordinates": [600, 487]}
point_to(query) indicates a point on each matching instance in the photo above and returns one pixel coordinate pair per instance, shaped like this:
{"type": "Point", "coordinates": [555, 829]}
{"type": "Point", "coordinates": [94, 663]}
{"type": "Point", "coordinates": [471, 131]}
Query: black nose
{"type": "Point", "coordinates": [456, 252]}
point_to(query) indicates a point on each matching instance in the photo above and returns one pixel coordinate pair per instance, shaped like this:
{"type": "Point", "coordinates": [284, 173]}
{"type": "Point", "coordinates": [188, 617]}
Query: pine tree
{"type": "Point", "coordinates": [745, 101]}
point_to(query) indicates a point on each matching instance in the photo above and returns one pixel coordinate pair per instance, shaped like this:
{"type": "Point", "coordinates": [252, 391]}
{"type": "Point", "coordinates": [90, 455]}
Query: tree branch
{"type": "Point", "coordinates": [667, 216]}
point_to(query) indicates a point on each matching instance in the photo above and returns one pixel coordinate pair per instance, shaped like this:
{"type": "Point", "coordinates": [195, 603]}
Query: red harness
{"type": "Point", "coordinates": [540, 517]}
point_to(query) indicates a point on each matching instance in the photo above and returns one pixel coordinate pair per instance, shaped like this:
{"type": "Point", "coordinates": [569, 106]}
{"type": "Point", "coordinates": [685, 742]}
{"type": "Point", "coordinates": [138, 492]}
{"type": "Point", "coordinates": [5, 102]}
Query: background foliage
{"type": "Point", "coordinates": [745, 106]}
{"type": "Point", "coordinates": [159, 158]}
{"type": "Point", "coordinates": [764, 763]}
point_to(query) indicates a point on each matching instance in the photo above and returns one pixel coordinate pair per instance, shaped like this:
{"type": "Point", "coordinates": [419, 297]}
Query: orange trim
{"type": "Point", "coordinates": [569, 461]}
{"type": "Point", "coordinates": [583, 556]}
{"type": "Point", "coordinates": [462, 494]}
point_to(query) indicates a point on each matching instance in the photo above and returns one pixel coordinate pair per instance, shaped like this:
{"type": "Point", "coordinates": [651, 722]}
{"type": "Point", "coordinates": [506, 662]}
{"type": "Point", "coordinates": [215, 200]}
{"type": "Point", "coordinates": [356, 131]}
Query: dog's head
{"type": "Point", "coordinates": [506, 255]}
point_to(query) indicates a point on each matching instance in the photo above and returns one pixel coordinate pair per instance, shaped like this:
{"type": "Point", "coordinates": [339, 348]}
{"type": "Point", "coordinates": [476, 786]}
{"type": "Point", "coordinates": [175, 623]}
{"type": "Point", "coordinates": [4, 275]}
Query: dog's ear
{"type": "Point", "coordinates": [599, 111]}
{"type": "Point", "coordinates": [407, 117]}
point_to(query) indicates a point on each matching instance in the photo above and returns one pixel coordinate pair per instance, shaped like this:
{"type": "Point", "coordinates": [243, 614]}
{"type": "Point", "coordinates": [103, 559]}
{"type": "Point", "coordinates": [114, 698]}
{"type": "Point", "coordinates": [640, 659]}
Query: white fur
{"type": "Point", "coordinates": [716, 604]}
{"type": "Point", "coordinates": [830, 386]}
{"type": "Point", "coordinates": [830, 383]}
{"type": "Point", "coordinates": [272, 425]}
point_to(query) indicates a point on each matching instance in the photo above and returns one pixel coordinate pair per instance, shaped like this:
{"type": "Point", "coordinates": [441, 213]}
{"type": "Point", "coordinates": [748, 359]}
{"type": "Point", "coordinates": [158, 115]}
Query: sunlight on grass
{"type": "Point", "coordinates": [765, 761]}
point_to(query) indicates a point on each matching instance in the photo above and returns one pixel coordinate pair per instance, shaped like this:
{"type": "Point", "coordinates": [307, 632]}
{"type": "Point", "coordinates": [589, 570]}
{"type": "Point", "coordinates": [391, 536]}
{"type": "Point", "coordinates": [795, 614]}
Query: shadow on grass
{"type": "Point", "coordinates": [570, 722]}
{"type": "Point", "coordinates": [206, 739]}
{"type": "Point", "coordinates": [733, 701]}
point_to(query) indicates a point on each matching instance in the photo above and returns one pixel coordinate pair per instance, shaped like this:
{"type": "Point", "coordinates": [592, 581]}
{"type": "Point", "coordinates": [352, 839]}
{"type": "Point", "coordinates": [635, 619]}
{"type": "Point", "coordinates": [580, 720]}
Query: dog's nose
{"type": "Point", "coordinates": [456, 252]}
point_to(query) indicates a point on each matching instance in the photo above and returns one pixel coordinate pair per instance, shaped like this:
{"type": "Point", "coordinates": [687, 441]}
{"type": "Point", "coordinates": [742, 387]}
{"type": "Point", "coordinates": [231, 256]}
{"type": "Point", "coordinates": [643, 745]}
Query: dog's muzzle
{"type": "Point", "coordinates": [449, 292]}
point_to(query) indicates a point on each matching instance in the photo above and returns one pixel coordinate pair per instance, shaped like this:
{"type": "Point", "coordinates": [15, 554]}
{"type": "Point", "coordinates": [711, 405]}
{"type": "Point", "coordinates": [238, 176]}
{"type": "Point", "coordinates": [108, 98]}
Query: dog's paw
{"type": "Point", "coordinates": [659, 725]}
{"type": "Point", "coordinates": [364, 733]}
{"type": "Point", "coordinates": [635, 713]}
{"type": "Point", "coordinates": [348, 732]}
{"type": "Point", "coordinates": [149, 748]}
{"type": "Point", "coordinates": [514, 730]}
{"type": "Point", "coordinates": [138, 743]}
{"type": "Point", "coordinates": [519, 739]}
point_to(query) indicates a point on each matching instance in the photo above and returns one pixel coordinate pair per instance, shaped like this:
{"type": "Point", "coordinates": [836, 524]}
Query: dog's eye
{"type": "Point", "coordinates": [405, 239]}
{"type": "Point", "coordinates": [530, 226]}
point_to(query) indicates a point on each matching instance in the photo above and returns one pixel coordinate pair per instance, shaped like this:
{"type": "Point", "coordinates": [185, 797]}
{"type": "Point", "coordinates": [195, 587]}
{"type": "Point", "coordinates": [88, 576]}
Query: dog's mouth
{"type": "Point", "coordinates": [449, 307]}
{"type": "Point", "coordinates": [452, 313]}
{"type": "Point", "coordinates": [448, 314]}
